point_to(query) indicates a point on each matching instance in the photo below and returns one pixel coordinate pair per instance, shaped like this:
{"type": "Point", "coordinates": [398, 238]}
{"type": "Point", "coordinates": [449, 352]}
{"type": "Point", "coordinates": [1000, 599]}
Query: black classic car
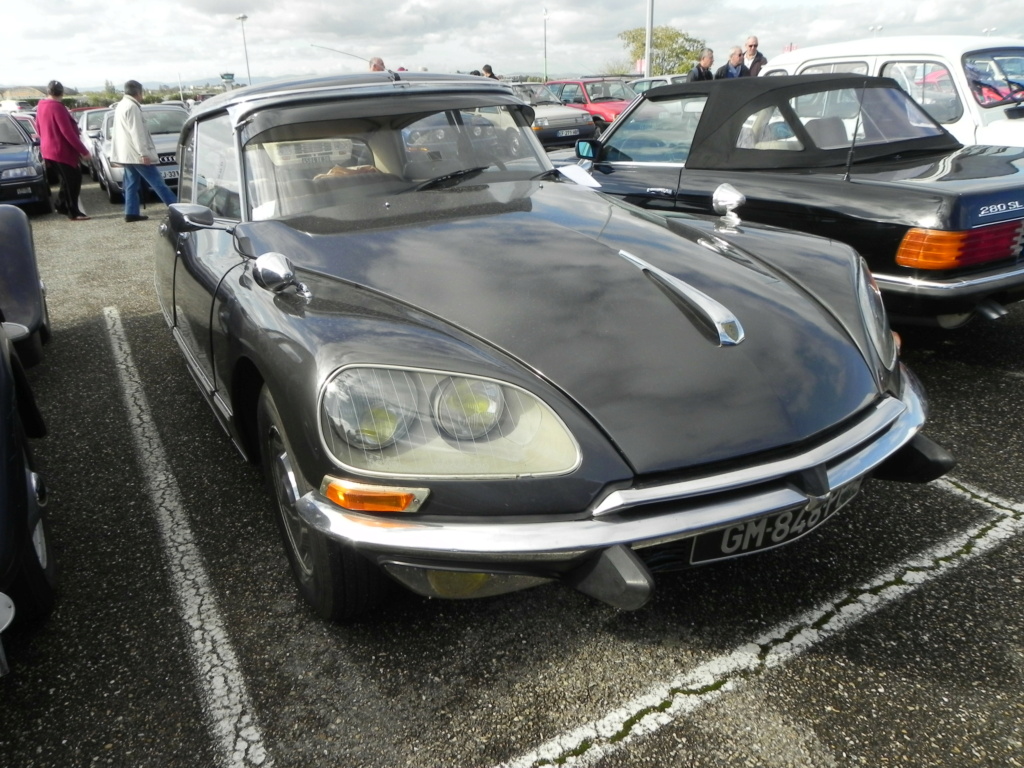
{"type": "Point", "coordinates": [466, 372]}
{"type": "Point", "coordinates": [27, 566]}
{"type": "Point", "coordinates": [22, 291]}
{"type": "Point", "coordinates": [851, 158]}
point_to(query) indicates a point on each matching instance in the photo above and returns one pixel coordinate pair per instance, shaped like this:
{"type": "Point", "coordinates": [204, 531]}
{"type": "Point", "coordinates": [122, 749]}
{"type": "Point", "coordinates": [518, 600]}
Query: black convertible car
{"type": "Point", "coordinates": [466, 372]}
{"type": "Point", "coordinates": [851, 158]}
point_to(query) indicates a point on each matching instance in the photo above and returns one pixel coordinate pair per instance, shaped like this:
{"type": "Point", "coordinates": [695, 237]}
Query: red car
{"type": "Point", "coordinates": [603, 98]}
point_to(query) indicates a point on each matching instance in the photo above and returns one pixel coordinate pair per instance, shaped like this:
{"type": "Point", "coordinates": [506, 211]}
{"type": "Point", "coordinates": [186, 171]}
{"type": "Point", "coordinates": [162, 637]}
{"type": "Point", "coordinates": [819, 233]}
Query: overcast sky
{"type": "Point", "coordinates": [85, 43]}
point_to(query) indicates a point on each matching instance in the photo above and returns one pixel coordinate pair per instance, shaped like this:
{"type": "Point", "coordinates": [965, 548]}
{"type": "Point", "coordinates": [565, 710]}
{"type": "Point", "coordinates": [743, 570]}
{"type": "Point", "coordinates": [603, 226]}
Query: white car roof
{"type": "Point", "coordinates": [951, 46]}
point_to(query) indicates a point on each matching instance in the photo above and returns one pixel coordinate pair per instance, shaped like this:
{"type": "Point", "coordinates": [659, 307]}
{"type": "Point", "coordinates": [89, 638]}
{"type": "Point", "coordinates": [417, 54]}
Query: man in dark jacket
{"type": "Point", "coordinates": [702, 69]}
{"type": "Point", "coordinates": [752, 57]}
{"type": "Point", "coordinates": [735, 67]}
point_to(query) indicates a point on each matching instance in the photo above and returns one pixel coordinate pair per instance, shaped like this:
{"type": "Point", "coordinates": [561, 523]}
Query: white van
{"type": "Point", "coordinates": [974, 86]}
{"type": "Point", "coordinates": [13, 105]}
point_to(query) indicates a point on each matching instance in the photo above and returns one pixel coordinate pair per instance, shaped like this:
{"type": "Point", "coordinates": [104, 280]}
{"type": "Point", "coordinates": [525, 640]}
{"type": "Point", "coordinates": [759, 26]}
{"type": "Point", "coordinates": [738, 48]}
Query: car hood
{"type": "Point", "coordinates": [13, 155]}
{"type": "Point", "coordinates": [541, 276]}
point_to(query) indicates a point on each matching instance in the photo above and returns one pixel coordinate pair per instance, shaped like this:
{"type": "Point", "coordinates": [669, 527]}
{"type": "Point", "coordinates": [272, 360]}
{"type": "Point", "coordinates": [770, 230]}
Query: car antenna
{"type": "Point", "coordinates": [394, 75]}
{"type": "Point", "coordinates": [856, 127]}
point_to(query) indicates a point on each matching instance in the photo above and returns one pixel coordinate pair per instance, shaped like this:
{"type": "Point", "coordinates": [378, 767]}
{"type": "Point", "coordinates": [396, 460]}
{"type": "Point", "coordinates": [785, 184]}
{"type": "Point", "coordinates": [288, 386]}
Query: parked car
{"type": "Point", "coordinates": [90, 126]}
{"type": "Point", "coordinates": [27, 566]}
{"type": "Point", "coordinates": [846, 157]}
{"type": "Point", "coordinates": [554, 124]}
{"type": "Point", "coordinates": [472, 375]}
{"type": "Point", "coordinates": [15, 105]}
{"type": "Point", "coordinates": [164, 123]}
{"type": "Point", "coordinates": [27, 121]}
{"type": "Point", "coordinates": [22, 292]}
{"type": "Point", "coordinates": [22, 172]}
{"type": "Point", "coordinates": [974, 86]}
{"type": "Point", "coordinates": [604, 98]}
{"type": "Point", "coordinates": [643, 84]}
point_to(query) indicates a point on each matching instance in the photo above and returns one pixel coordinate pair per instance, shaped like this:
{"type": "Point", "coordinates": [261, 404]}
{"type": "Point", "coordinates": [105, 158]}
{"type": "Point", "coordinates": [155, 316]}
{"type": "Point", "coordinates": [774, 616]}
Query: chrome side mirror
{"type": "Point", "coordinates": [726, 199]}
{"type": "Point", "coordinates": [274, 272]}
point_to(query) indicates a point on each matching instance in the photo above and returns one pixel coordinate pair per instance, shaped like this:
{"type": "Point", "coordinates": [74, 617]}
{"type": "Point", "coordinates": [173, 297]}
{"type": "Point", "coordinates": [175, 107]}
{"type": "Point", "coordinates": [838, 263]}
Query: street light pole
{"type": "Point", "coordinates": [242, 18]}
{"type": "Point", "coordinates": [545, 45]}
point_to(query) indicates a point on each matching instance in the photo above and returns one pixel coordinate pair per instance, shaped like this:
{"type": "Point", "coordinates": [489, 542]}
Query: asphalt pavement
{"type": "Point", "coordinates": [891, 636]}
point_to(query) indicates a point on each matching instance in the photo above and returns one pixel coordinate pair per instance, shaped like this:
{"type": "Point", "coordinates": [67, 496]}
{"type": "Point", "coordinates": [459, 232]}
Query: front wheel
{"type": "Point", "coordinates": [337, 581]}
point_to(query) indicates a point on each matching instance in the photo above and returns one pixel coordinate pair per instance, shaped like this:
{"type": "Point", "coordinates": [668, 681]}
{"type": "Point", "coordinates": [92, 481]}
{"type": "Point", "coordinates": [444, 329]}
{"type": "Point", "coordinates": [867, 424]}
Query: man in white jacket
{"type": "Point", "coordinates": [132, 147]}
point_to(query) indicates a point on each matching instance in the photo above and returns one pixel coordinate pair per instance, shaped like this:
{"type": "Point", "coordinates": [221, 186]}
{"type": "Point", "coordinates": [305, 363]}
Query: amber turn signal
{"type": "Point", "coordinates": [360, 497]}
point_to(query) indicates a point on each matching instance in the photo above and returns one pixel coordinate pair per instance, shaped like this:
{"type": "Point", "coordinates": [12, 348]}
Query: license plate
{"type": "Point", "coordinates": [771, 530]}
{"type": "Point", "coordinates": [569, 132]}
{"type": "Point", "coordinates": [24, 191]}
{"type": "Point", "coordinates": [169, 174]}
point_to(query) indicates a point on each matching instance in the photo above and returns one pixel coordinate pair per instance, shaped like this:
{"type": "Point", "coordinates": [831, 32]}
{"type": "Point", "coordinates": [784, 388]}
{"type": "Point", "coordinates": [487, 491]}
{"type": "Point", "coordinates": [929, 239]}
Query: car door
{"type": "Point", "coordinates": [642, 159]}
{"type": "Point", "coordinates": [205, 258]}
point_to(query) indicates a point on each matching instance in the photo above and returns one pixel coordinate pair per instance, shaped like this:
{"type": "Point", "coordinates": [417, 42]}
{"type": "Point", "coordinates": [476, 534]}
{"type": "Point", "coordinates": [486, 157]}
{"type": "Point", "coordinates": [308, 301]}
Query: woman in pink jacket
{"type": "Point", "coordinates": [61, 146]}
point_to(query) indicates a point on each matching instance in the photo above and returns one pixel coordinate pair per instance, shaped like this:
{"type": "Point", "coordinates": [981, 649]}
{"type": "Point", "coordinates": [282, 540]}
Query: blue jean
{"type": "Point", "coordinates": [134, 174]}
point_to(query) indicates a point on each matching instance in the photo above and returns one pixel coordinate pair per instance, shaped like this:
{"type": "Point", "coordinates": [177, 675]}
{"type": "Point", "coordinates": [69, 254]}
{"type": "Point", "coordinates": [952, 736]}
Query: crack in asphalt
{"type": "Point", "coordinates": [226, 700]}
{"type": "Point", "coordinates": [667, 702]}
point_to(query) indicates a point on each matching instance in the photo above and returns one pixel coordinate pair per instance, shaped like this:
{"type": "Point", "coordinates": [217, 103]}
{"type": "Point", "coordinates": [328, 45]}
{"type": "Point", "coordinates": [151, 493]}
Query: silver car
{"type": "Point", "coordinates": [164, 123]}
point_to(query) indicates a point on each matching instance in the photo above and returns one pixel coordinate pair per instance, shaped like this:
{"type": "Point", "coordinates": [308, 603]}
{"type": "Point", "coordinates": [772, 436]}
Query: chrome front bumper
{"type": "Point", "coordinates": [549, 549]}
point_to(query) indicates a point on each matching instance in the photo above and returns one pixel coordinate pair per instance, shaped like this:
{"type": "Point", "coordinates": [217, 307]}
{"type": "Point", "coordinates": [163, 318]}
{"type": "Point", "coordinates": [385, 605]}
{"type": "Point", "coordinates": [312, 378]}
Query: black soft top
{"type": "Point", "coordinates": [730, 103]}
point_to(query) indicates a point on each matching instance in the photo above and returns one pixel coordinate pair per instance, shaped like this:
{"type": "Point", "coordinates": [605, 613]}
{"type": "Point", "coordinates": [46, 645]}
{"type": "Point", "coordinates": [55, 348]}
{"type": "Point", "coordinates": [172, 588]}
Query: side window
{"type": "Point", "coordinates": [853, 67]}
{"type": "Point", "coordinates": [572, 94]}
{"type": "Point", "coordinates": [657, 132]}
{"type": "Point", "coordinates": [930, 84]}
{"type": "Point", "coordinates": [186, 160]}
{"type": "Point", "coordinates": [768, 129]}
{"type": "Point", "coordinates": [216, 170]}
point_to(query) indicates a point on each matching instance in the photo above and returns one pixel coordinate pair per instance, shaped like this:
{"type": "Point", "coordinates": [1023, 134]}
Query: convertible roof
{"type": "Point", "coordinates": [731, 102]}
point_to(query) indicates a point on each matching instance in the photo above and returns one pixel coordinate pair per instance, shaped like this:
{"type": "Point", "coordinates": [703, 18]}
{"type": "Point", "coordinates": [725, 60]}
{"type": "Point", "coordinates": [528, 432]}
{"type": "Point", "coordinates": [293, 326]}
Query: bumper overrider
{"type": "Point", "coordinates": [702, 519]}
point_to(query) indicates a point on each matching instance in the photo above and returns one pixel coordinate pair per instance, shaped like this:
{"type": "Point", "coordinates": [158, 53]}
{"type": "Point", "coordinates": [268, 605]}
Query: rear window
{"type": "Point", "coordinates": [930, 84]}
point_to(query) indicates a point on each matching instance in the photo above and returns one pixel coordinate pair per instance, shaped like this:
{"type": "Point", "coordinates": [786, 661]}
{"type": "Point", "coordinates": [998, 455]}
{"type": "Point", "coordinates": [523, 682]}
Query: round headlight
{"type": "Point", "coordinates": [370, 410]}
{"type": "Point", "coordinates": [468, 409]}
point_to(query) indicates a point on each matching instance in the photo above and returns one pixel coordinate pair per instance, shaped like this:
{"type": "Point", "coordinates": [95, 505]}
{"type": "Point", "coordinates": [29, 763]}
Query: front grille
{"type": "Point", "coordinates": [169, 159]}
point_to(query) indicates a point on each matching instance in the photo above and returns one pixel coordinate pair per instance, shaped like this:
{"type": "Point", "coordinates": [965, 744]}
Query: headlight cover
{"type": "Point", "coordinates": [876, 321]}
{"type": "Point", "coordinates": [404, 422]}
{"type": "Point", "coordinates": [21, 172]}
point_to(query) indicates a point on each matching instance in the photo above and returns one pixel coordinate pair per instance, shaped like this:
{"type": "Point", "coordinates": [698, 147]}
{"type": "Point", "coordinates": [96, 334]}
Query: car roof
{"type": "Point", "coordinates": [243, 101]}
{"type": "Point", "coordinates": [731, 102]}
{"type": "Point", "coordinates": [951, 46]}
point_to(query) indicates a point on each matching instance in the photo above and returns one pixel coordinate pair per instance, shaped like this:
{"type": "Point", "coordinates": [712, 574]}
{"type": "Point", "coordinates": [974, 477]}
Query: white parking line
{"type": "Point", "coordinates": [667, 702]}
{"type": "Point", "coordinates": [237, 736]}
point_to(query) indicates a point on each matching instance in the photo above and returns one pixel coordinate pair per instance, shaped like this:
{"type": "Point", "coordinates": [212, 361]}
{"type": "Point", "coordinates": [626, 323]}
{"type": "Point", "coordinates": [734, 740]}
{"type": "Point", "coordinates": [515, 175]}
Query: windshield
{"type": "Point", "coordinates": [164, 120]}
{"type": "Point", "coordinates": [609, 90]}
{"type": "Point", "coordinates": [996, 77]}
{"type": "Point", "coordinates": [535, 93]}
{"type": "Point", "coordinates": [357, 166]}
{"type": "Point", "coordinates": [9, 133]}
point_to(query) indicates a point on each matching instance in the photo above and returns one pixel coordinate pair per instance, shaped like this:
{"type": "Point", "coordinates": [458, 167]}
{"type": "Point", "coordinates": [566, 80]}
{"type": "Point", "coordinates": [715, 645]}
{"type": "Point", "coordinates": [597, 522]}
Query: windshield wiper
{"type": "Point", "coordinates": [454, 177]}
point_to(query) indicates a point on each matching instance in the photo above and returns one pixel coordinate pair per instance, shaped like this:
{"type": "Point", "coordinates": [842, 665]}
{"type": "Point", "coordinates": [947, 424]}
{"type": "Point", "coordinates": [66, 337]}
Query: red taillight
{"type": "Point", "coordinates": [937, 249]}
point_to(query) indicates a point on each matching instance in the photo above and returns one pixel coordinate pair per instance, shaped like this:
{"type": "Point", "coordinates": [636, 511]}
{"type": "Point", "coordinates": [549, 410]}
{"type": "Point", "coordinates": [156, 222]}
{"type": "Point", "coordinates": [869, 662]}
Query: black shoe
{"type": "Point", "coordinates": [135, 217]}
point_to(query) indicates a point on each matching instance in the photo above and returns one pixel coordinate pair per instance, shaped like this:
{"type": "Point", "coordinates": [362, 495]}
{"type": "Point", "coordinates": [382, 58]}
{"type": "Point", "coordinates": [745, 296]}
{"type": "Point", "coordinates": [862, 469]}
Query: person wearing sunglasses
{"type": "Point", "coordinates": [752, 57]}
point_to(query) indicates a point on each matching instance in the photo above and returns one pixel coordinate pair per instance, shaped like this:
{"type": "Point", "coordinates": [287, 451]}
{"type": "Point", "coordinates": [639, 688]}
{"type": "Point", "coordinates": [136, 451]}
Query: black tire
{"type": "Point", "coordinates": [34, 589]}
{"type": "Point", "coordinates": [112, 194]}
{"type": "Point", "coordinates": [338, 582]}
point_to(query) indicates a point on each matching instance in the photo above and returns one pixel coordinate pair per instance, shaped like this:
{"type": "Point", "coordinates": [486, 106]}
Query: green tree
{"type": "Point", "coordinates": [672, 50]}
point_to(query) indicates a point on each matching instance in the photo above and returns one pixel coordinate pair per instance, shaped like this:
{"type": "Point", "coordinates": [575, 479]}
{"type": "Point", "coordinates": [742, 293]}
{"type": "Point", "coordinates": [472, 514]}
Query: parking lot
{"type": "Point", "coordinates": [894, 635]}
